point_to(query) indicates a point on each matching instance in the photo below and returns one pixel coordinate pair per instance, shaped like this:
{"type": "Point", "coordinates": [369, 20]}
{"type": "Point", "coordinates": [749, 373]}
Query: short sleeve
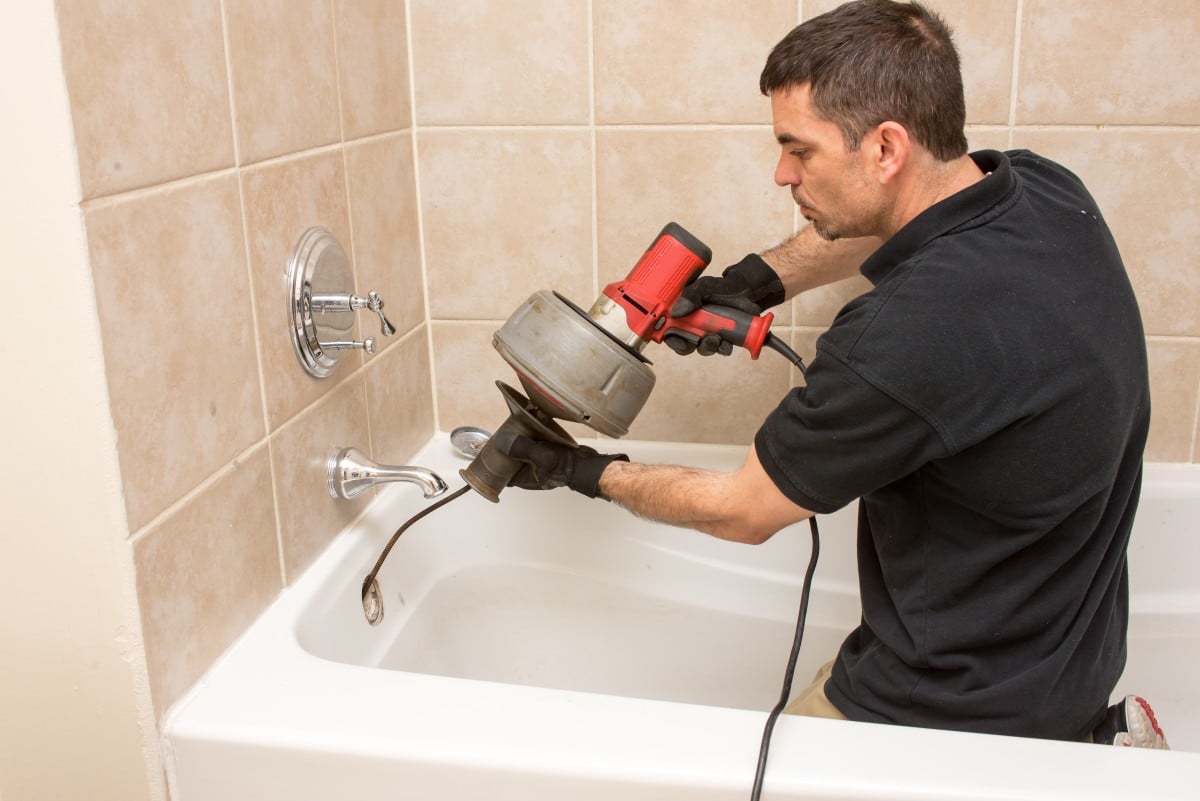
{"type": "Point", "coordinates": [840, 437]}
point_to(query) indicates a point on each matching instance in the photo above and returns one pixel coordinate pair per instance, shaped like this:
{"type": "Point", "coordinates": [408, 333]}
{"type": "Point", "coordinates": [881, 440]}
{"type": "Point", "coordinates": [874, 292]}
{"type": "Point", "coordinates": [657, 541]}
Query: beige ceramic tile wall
{"type": "Point", "coordinates": [211, 135]}
{"type": "Point", "coordinates": [553, 139]}
{"type": "Point", "coordinates": [663, 97]}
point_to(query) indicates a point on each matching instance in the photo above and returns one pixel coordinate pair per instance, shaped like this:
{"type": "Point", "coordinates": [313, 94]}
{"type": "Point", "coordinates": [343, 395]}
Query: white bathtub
{"type": "Point", "coordinates": [552, 647]}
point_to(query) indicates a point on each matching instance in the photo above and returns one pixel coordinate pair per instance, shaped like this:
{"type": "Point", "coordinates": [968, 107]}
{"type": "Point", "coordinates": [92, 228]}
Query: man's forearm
{"type": "Point", "coordinates": [806, 261]}
{"type": "Point", "coordinates": [742, 506]}
{"type": "Point", "coordinates": [678, 496]}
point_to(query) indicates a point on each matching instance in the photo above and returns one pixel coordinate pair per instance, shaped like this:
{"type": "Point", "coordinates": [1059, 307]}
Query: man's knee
{"type": "Point", "coordinates": [811, 701]}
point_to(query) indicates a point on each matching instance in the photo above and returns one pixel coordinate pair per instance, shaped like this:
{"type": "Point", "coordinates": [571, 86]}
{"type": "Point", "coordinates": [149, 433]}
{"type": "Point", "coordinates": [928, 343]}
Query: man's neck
{"type": "Point", "coordinates": [930, 183]}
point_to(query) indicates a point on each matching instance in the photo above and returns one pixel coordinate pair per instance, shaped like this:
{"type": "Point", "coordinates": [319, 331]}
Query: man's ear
{"type": "Point", "coordinates": [890, 148]}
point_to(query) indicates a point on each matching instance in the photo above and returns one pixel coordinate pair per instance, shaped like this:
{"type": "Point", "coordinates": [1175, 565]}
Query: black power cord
{"type": "Point", "coordinates": [775, 343]}
{"type": "Point", "coordinates": [756, 792]}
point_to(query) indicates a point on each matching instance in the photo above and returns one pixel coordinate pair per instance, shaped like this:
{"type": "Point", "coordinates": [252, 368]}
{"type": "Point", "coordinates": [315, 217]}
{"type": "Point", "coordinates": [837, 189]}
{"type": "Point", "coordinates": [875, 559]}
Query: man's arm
{"type": "Point", "coordinates": [742, 506]}
{"type": "Point", "coordinates": [806, 261]}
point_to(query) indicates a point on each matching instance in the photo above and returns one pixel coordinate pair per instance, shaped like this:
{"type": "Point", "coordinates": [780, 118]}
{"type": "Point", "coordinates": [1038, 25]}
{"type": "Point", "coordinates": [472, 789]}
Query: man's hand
{"type": "Point", "coordinates": [549, 465]}
{"type": "Point", "coordinates": [750, 286]}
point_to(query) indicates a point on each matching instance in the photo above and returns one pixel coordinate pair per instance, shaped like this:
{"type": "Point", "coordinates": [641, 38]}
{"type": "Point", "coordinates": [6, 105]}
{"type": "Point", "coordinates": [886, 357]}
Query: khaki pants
{"type": "Point", "coordinates": [811, 701]}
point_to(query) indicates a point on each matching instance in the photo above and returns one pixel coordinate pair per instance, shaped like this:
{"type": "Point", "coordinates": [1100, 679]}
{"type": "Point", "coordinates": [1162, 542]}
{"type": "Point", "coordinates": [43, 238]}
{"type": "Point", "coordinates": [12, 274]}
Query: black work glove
{"type": "Point", "coordinates": [750, 286]}
{"type": "Point", "coordinates": [549, 465]}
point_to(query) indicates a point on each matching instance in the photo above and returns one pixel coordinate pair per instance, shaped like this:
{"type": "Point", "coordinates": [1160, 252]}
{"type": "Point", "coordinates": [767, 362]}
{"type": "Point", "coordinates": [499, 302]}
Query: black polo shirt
{"type": "Point", "coordinates": [988, 401]}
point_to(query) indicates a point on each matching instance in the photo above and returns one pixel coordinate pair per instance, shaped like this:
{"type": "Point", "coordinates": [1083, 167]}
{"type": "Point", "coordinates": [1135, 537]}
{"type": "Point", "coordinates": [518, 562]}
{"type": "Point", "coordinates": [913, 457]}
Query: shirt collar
{"type": "Point", "coordinates": [969, 207]}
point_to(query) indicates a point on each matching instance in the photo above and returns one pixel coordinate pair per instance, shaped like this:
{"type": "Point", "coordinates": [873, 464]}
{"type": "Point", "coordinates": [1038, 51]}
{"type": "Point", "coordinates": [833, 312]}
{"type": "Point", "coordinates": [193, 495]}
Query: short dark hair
{"type": "Point", "coordinates": [870, 61]}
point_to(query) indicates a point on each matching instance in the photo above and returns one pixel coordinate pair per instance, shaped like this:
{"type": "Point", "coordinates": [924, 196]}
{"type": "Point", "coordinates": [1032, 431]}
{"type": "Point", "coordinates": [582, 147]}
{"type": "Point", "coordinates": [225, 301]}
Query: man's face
{"type": "Point", "coordinates": [832, 186]}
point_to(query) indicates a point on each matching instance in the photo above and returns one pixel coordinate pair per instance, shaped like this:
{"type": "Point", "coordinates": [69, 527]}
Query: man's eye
{"type": "Point", "coordinates": [800, 154]}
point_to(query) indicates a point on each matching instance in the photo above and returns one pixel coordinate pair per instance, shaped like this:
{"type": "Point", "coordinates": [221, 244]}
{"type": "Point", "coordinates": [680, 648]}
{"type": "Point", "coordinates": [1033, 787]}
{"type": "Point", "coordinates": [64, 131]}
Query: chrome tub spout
{"type": "Point", "coordinates": [351, 473]}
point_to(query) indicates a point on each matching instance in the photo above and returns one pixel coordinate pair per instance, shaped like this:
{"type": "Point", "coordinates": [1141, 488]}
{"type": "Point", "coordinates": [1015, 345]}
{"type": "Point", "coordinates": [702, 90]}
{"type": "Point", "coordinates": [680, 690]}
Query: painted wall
{"type": "Point", "coordinates": [465, 153]}
{"type": "Point", "coordinates": [76, 719]}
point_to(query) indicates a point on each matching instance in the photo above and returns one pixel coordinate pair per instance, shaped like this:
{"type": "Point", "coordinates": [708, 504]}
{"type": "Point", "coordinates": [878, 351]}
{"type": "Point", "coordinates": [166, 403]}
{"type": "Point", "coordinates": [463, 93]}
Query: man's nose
{"type": "Point", "coordinates": [785, 175]}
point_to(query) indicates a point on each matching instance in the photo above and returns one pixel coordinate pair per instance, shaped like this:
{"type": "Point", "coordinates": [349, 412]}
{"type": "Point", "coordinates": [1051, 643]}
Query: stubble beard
{"type": "Point", "coordinates": [824, 231]}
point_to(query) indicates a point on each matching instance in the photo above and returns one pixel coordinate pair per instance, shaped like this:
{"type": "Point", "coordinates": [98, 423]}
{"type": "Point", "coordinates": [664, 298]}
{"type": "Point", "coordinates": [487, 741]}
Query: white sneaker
{"type": "Point", "coordinates": [1131, 724]}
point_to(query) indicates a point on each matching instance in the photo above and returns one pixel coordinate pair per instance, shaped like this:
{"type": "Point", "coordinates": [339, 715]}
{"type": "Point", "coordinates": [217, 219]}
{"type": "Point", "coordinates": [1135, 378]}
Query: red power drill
{"type": "Point", "coordinates": [636, 309]}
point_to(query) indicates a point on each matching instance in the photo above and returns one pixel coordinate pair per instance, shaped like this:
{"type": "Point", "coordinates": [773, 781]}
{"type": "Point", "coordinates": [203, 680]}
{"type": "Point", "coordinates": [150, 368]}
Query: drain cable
{"type": "Point", "coordinates": [372, 599]}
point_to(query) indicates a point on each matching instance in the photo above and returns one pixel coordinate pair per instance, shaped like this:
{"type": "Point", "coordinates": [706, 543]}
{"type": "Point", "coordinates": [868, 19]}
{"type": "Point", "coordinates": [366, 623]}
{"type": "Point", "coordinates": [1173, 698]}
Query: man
{"type": "Point", "coordinates": [987, 400]}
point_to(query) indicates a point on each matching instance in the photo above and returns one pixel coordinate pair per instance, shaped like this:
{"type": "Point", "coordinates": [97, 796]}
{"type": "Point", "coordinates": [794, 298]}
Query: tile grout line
{"type": "Point", "coordinates": [173, 184]}
{"type": "Point", "coordinates": [1172, 337]}
{"type": "Point", "coordinates": [176, 183]}
{"type": "Point", "coordinates": [237, 156]}
{"type": "Point", "coordinates": [337, 72]}
{"type": "Point", "coordinates": [498, 321]}
{"type": "Point", "coordinates": [234, 462]}
{"type": "Point", "coordinates": [203, 486]}
{"type": "Point", "coordinates": [1016, 71]}
{"type": "Point", "coordinates": [616, 126]}
{"type": "Point", "coordinates": [422, 252]}
{"type": "Point", "coordinates": [254, 321]}
{"type": "Point", "coordinates": [595, 155]}
{"type": "Point", "coordinates": [354, 265]}
{"type": "Point", "coordinates": [701, 127]}
{"type": "Point", "coordinates": [1194, 453]}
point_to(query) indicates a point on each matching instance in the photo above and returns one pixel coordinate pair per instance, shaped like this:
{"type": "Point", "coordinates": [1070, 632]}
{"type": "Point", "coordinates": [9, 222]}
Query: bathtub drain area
{"type": "Point", "coordinates": [530, 625]}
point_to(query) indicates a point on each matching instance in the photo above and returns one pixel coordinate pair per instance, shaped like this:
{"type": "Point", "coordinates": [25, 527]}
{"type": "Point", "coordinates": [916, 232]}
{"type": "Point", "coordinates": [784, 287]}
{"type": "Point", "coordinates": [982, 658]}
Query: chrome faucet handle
{"type": "Point", "coordinates": [347, 302]}
{"type": "Point", "coordinates": [375, 304]}
{"type": "Point", "coordinates": [367, 344]}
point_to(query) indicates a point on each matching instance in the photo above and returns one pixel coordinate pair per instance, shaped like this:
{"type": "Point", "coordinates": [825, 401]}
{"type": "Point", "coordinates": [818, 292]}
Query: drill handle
{"type": "Point", "coordinates": [731, 325]}
{"type": "Point", "coordinates": [673, 260]}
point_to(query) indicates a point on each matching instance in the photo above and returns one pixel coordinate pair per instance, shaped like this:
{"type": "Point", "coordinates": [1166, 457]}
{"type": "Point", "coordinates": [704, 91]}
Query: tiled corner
{"type": "Point", "coordinates": [400, 398]}
{"type": "Point", "coordinates": [308, 518]}
{"type": "Point", "coordinates": [689, 61]}
{"type": "Point", "coordinates": [284, 199]}
{"type": "Point", "coordinates": [284, 76]}
{"type": "Point", "coordinates": [1174, 384]}
{"type": "Point", "coordinates": [1134, 63]}
{"type": "Point", "coordinates": [372, 66]}
{"type": "Point", "coordinates": [383, 216]}
{"type": "Point", "coordinates": [717, 399]}
{"type": "Point", "coordinates": [1149, 193]}
{"type": "Point", "coordinates": [500, 62]}
{"type": "Point", "coordinates": [169, 268]}
{"type": "Point", "coordinates": [149, 96]}
{"type": "Point", "coordinates": [505, 213]}
{"type": "Point", "coordinates": [717, 184]}
{"type": "Point", "coordinates": [204, 572]}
